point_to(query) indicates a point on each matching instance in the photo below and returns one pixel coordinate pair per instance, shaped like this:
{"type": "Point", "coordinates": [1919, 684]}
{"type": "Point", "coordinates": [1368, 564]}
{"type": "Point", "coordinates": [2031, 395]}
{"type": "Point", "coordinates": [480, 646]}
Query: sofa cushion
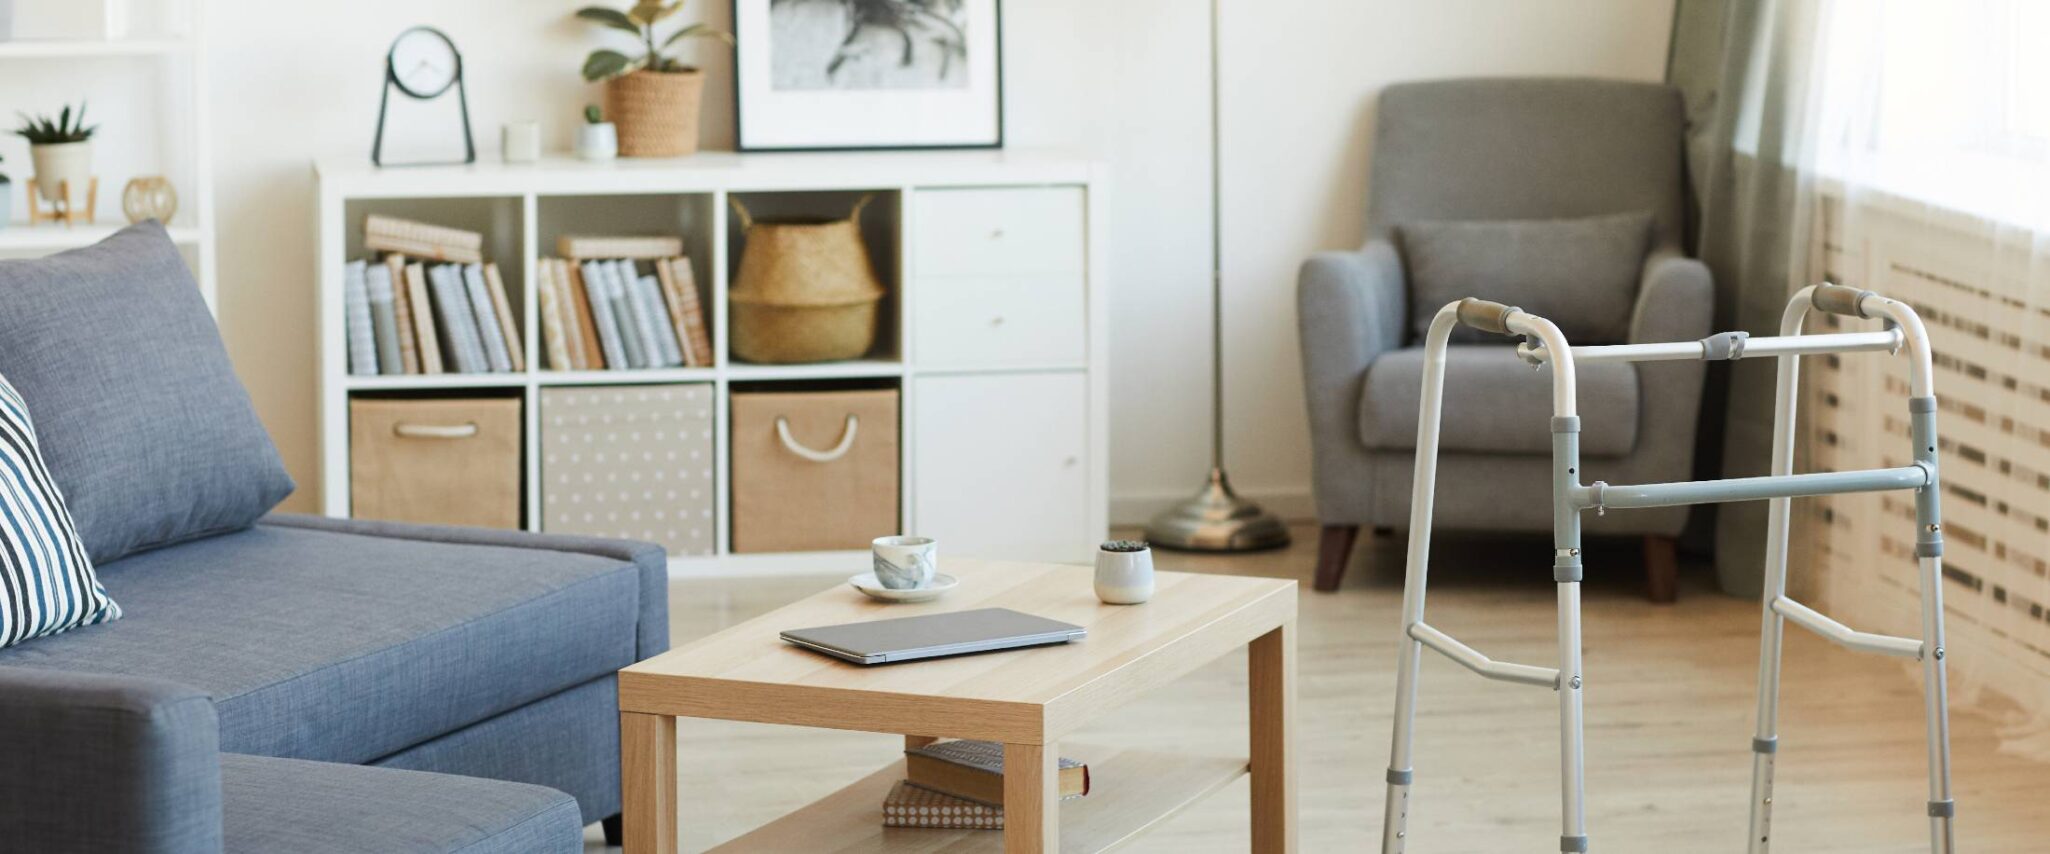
{"type": "Point", "coordinates": [347, 648]}
{"type": "Point", "coordinates": [1581, 274]}
{"type": "Point", "coordinates": [270, 805]}
{"type": "Point", "coordinates": [1495, 403]}
{"type": "Point", "coordinates": [47, 583]}
{"type": "Point", "coordinates": [144, 425]}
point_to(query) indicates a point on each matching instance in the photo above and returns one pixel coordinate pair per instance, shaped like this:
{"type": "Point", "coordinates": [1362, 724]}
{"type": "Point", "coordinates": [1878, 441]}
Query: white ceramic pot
{"type": "Point", "coordinates": [6, 197]}
{"type": "Point", "coordinates": [1124, 578]}
{"type": "Point", "coordinates": [597, 141]}
{"type": "Point", "coordinates": [63, 161]}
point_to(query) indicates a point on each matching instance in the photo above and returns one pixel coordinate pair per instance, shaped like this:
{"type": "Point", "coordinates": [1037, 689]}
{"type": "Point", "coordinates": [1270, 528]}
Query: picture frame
{"type": "Point", "coordinates": [825, 75]}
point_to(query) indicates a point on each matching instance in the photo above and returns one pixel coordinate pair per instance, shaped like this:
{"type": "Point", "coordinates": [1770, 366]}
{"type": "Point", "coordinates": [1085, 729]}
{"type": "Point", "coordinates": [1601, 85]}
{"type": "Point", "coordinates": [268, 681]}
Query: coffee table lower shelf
{"type": "Point", "coordinates": [1131, 791]}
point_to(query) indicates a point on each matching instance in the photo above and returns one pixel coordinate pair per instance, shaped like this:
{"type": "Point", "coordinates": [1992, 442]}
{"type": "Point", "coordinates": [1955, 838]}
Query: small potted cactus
{"type": "Point", "coordinates": [596, 138]}
{"type": "Point", "coordinates": [1124, 572]}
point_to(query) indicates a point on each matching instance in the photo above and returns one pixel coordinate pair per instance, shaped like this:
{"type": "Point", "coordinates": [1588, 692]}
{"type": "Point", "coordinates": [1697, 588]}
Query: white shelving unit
{"type": "Point", "coordinates": [150, 84]}
{"type": "Point", "coordinates": [975, 241]}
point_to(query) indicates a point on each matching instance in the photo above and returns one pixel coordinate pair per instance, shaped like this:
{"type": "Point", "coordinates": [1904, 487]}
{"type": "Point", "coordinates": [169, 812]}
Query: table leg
{"type": "Point", "coordinates": [1032, 807]}
{"type": "Point", "coordinates": [647, 782]}
{"type": "Point", "coordinates": [1271, 681]}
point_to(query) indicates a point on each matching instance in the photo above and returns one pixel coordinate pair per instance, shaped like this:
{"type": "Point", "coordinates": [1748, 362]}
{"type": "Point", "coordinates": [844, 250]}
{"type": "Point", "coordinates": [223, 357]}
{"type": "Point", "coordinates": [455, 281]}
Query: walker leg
{"type": "Point", "coordinates": [1772, 629]}
{"type": "Point", "coordinates": [1572, 768]}
{"type": "Point", "coordinates": [1929, 556]}
{"type": "Point", "coordinates": [1395, 813]}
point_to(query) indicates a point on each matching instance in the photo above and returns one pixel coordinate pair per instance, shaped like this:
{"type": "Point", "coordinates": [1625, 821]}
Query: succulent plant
{"type": "Point", "coordinates": [1125, 546]}
{"type": "Point", "coordinates": [3, 176]}
{"type": "Point", "coordinates": [640, 20]}
{"type": "Point", "coordinates": [593, 115]}
{"type": "Point", "coordinates": [43, 130]}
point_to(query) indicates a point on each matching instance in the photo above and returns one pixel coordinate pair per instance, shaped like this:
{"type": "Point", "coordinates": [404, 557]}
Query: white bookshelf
{"type": "Point", "coordinates": [147, 89]}
{"type": "Point", "coordinates": [1040, 435]}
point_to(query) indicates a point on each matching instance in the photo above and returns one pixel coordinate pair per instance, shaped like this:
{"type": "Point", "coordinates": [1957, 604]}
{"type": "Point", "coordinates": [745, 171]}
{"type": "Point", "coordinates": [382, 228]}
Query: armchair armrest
{"type": "Point", "coordinates": [650, 560]}
{"type": "Point", "coordinates": [1675, 300]}
{"type": "Point", "coordinates": [1350, 308]}
{"type": "Point", "coordinates": [107, 763]}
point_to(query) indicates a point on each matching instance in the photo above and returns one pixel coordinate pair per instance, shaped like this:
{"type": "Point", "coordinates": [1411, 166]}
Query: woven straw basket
{"type": "Point", "coordinates": [806, 291]}
{"type": "Point", "coordinates": [656, 111]}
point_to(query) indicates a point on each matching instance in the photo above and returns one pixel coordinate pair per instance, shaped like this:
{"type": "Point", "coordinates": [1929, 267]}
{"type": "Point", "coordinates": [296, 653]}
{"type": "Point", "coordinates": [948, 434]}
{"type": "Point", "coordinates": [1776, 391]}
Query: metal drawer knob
{"type": "Point", "coordinates": [997, 321]}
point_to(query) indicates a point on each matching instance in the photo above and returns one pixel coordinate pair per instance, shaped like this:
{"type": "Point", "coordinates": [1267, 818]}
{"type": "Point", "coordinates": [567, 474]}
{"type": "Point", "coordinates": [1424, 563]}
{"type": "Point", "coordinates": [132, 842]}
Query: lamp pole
{"type": "Point", "coordinates": [1216, 519]}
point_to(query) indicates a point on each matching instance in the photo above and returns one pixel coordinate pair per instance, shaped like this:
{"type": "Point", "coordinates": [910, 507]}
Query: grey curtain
{"type": "Point", "coordinates": [1743, 67]}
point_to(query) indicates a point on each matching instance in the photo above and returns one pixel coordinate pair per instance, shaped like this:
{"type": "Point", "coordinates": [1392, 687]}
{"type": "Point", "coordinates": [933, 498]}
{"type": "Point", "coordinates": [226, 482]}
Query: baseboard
{"type": "Point", "coordinates": [1292, 505]}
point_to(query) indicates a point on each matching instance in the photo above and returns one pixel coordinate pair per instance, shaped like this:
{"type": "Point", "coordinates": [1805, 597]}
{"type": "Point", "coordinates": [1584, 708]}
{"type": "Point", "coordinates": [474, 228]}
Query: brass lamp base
{"type": "Point", "coordinates": [1217, 520]}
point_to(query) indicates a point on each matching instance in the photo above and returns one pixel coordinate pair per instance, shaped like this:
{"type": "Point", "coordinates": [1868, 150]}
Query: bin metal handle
{"type": "Point", "coordinates": [435, 431]}
{"type": "Point", "coordinates": [791, 444]}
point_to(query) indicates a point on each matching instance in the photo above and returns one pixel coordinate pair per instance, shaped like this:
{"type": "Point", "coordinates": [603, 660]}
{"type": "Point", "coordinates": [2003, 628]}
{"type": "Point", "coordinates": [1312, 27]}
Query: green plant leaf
{"type": "Point", "coordinates": [699, 31]}
{"type": "Point", "coordinates": [609, 18]}
{"type": "Point", "coordinates": [604, 64]}
{"type": "Point", "coordinates": [647, 12]}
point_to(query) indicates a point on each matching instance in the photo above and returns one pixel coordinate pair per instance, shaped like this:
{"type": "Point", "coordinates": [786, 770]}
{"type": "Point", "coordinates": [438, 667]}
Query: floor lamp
{"type": "Point", "coordinates": [1215, 519]}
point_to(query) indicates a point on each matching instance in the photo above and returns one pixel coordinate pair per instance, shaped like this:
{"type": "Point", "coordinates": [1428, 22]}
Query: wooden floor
{"type": "Point", "coordinates": [1669, 703]}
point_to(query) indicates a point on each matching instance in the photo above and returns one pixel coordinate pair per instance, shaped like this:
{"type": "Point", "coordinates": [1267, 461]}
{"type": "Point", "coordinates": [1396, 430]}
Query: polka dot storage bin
{"type": "Point", "coordinates": [629, 461]}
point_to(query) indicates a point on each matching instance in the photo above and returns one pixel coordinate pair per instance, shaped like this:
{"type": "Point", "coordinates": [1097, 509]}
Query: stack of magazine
{"type": "Point", "coordinates": [960, 784]}
{"type": "Point", "coordinates": [429, 304]}
{"type": "Point", "coordinates": [621, 303]}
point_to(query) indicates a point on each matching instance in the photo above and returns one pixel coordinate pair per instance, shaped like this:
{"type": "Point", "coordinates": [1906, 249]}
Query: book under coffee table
{"type": "Point", "coordinates": [1027, 699]}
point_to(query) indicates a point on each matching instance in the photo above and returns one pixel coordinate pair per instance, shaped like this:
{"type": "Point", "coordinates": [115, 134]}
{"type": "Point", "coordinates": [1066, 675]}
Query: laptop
{"type": "Point", "coordinates": [933, 635]}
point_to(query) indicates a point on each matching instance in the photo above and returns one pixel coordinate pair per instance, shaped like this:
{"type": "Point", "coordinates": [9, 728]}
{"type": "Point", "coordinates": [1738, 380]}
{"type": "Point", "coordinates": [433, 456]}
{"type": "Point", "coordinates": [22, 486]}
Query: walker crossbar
{"type": "Point", "coordinates": [1544, 345]}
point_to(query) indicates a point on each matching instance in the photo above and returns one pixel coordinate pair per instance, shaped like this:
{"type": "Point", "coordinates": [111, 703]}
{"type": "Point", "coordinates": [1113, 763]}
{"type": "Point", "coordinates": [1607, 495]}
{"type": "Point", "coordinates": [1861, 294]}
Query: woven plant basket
{"type": "Point", "coordinates": [806, 291]}
{"type": "Point", "coordinates": [656, 111]}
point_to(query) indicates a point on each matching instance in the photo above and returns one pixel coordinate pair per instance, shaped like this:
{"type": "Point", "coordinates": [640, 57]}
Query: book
{"type": "Point", "coordinates": [673, 301]}
{"type": "Point", "coordinates": [384, 320]}
{"type": "Point", "coordinates": [516, 346]}
{"type": "Point", "coordinates": [908, 805]}
{"type": "Point", "coordinates": [423, 319]}
{"type": "Point", "coordinates": [658, 338]}
{"type": "Point", "coordinates": [356, 320]}
{"type": "Point", "coordinates": [554, 332]}
{"type": "Point", "coordinates": [971, 769]}
{"type": "Point", "coordinates": [439, 243]}
{"type": "Point", "coordinates": [584, 247]}
{"type": "Point", "coordinates": [402, 306]}
{"type": "Point", "coordinates": [592, 349]}
{"type": "Point", "coordinates": [630, 335]}
{"type": "Point", "coordinates": [694, 326]}
{"type": "Point", "coordinates": [490, 336]}
{"type": "Point", "coordinates": [598, 291]}
{"type": "Point", "coordinates": [458, 325]}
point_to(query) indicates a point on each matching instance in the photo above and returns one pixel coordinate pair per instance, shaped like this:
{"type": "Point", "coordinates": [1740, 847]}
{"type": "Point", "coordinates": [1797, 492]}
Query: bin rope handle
{"type": "Point", "coordinates": [434, 431]}
{"type": "Point", "coordinates": [791, 444]}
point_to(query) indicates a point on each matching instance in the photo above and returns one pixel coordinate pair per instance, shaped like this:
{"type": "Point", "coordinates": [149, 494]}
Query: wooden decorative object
{"type": "Point", "coordinates": [66, 209]}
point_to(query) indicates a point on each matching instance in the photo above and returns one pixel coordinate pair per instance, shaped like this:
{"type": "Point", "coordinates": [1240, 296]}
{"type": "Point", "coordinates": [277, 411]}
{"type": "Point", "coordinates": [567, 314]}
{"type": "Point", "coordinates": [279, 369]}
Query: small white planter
{"type": "Point", "coordinates": [59, 162]}
{"type": "Point", "coordinates": [1124, 577]}
{"type": "Point", "coordinates": [597, 141]}
{"type": "Point", "coordinates": [6, 196]}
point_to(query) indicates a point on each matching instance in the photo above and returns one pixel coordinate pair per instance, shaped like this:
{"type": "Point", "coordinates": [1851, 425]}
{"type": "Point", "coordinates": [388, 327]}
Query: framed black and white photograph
{"type": "Point", "coordinates": [851, 74]}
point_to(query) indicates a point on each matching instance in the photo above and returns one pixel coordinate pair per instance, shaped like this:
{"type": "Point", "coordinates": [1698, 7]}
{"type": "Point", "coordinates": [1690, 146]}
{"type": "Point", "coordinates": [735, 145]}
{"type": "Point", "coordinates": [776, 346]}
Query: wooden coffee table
{"type": "Point", "coordinates": [1026, 699]}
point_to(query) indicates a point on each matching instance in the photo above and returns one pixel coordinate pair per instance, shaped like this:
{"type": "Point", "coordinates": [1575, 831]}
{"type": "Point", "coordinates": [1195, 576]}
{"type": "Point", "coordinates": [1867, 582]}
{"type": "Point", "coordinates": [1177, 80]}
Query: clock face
{"type": "Point", "coordinates": [423, 62]}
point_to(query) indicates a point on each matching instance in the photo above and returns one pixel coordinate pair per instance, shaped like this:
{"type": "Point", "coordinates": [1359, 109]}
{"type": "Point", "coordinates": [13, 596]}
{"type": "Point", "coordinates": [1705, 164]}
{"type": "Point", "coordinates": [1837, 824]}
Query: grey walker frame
{"type": "Point", "coordinates": [1903, 330]}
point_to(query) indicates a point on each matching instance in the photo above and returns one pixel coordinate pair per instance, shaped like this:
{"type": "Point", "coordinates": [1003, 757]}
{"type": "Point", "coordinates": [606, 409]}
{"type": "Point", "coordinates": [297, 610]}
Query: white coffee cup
{"type": "Point", "coordinates": [905, 563]}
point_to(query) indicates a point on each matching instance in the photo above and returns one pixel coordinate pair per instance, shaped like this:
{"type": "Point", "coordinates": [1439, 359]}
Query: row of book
{"type": "Point", "coordinates": [626, 313]}
{"type": "Point", "coordinates": [960, 784]}
{"type": "Point", "coordinates": [408, 317]}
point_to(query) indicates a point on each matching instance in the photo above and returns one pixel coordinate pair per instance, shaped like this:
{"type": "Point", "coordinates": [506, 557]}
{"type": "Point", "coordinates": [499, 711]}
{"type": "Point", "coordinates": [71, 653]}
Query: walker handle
{"type": "Point", "coordinates": [1839, 299]}
{"type": "Point", "coordinates": [1486, 315]}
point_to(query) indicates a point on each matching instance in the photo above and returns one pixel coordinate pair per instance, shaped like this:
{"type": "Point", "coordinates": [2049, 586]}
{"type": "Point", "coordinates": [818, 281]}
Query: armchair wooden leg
{"type": "Point", "coordinates": [1334, 548]}
{"type": "Point", "coordinates": [1383, 531]}
{"type": "Point", "coordinates": [1661, 569]}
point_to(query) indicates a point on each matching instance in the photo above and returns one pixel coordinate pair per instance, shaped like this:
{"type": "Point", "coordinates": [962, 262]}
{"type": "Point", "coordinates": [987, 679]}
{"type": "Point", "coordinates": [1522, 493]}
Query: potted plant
{"type": "Point", "coordinates": [650, 95]}
{"type": "Point", "coordinates": [596, 138]}
{"type": "Point", "coordinates": [6, 193]}
{"type": "Point", "coordinates": [62, 151]}
{"type": "Point", "coordinates": [1124, 572]}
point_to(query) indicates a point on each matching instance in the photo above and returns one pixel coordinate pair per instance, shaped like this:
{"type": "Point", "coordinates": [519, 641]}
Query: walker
{"type": "Point", "coordinates": [1570, 498]}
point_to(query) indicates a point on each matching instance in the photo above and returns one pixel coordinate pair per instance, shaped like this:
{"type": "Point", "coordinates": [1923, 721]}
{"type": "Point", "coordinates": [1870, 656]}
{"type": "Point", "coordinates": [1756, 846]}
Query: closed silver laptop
{"type": "Point", "coordinates": [933, 635]}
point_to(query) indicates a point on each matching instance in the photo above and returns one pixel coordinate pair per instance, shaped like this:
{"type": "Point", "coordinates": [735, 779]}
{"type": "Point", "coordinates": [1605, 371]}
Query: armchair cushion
{"type": "Point", "coordinates": [1581, 274]}
{"type": "Point", "coordinates": [1496, 404]}
{"type": "Point", "coordinates": [144, 425]}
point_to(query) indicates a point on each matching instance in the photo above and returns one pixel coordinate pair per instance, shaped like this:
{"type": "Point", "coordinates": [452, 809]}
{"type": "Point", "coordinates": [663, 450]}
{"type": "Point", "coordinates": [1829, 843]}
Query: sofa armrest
{"type": "Point", "coordinates": [1350, 308]}
{"type": "Point", "coordinates": [652, 561]}
{"type": "Point", "coordinates": [1675, 300]}
{"type": "Point", "coordinates": [107, 763]}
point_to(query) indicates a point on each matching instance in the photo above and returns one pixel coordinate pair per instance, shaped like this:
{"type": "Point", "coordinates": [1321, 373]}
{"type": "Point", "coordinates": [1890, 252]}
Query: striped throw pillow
{"type": "Point", "coordinates": [47, 583]}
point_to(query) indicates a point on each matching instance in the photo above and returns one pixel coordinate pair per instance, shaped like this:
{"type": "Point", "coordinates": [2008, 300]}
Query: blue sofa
{"type": "Point", "coordinates": [300, 684]}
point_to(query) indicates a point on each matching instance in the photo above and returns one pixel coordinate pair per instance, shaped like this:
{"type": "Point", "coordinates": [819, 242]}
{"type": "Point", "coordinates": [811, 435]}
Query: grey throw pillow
{"type": "Point", "coordinates": [1581, 274]}
{"type": "Point", "coordinates": [142, 421]}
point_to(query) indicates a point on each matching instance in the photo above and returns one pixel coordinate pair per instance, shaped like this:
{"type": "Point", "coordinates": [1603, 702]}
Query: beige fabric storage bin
{"type": "Point", "coordinates": [630, 461]}
{"type": "Point", "coordinates": [449, 462]}
{"type": "Point", "coordinates": [813, 470]}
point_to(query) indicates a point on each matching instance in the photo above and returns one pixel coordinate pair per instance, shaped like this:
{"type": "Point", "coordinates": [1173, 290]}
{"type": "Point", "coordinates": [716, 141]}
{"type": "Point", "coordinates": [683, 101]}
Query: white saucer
{"type": "Point", "coordinates": [867, 584]}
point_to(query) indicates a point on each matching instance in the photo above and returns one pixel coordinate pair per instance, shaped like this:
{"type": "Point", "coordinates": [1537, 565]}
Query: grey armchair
{"type": "Point", "coordinates": [1485, 150]}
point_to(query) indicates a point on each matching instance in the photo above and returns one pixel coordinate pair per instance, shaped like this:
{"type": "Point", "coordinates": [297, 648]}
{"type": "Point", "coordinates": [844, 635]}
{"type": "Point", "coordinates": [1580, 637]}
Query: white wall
{"type": "Point", "coordinates": [1125, 80]}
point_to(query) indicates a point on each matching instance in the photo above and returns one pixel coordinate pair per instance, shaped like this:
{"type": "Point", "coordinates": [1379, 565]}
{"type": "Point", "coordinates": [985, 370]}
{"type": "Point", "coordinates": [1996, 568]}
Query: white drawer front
{"type": "Point", "coordinates": [999, 232]}
{"type": "Point", "coordinates": [1001, 465]}
{"type": "Point", "coordinates": [1000, 321]}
